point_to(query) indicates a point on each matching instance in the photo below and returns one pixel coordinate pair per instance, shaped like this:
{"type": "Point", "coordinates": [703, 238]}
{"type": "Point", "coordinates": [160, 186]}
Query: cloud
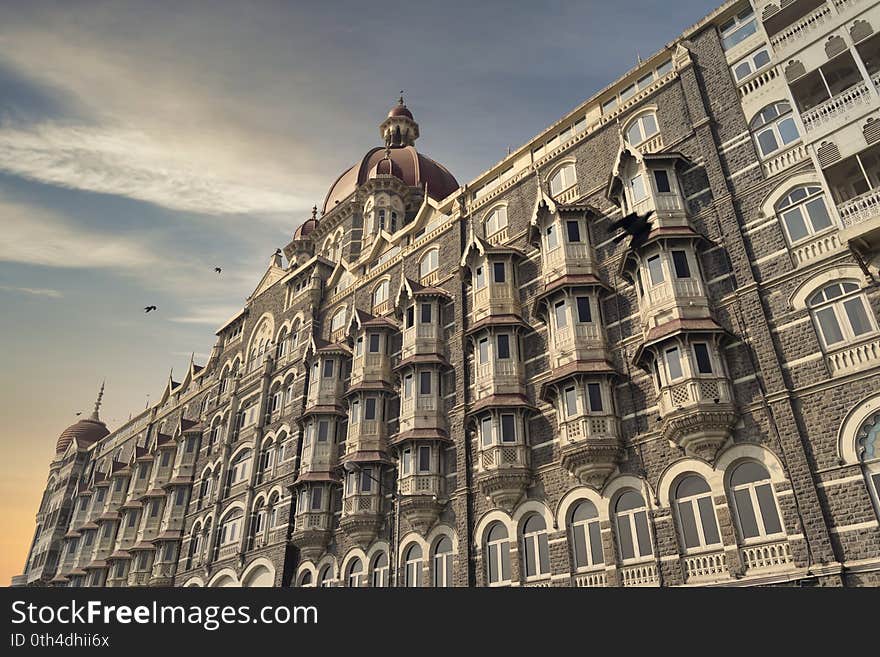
{"type": "Point", "coordinates": [214, 315]}
{"type": "Point", "coordinates": [129, 163]}
{"type": "Point", "coordinates": [34, 291]}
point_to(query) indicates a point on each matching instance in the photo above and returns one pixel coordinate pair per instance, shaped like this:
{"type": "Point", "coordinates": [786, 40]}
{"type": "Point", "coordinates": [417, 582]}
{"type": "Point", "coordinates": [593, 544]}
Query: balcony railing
{"type": "Point", "coordinates": [568, 253]}
{"type": "Point", "coordinates": [319, 521]}
{"type": "Point", "coordinates": [382, 308]}
{"type": "Point", "coordinates": [861, 208]}
{"type": "Point", "coordinates": [592, 579]}
{"type": "Point", "coordinates": [854, 358]}
{"type": "Point", "coordinates": [583, 428]}
{"type": "Point", "coordinates": [705, 567]}
{"type": "Point", "coordinates": [588, 335]}
{"type": "Point", "coordinates": [502, 456]}
{"type": "Point", "coordinates": [367, 503]}
{"type": "Point", "coordinates": [420, 484]}
{"type": "Point", "coordinates": [693, 391]}
{"type": "Point", "coordinates": [836, 106]}
{"type": "Point", "coordinates": [797, 32]}
{"type": "Point", "coordinates": [640, 574]}
{"type": "Point", "coordinates": [767, 556]}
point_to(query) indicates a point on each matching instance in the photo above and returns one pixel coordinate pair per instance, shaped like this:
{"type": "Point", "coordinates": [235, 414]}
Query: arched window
{"type": "Point", "coordinates": [804, 212]}
{"type": "Point", "coordinates": [631, 524]}
{"type": "Point", "coordinates": [840, 312]}
{"type": "Point", "coordinates": [281, 348]}
{"type": "Point", "coordinates": [754, 502]}
{"type": "Point", "coordinates": [230, 529]}
{"type": "Point", "coordinates": [325, 577]}
{"type": "Point", "coordinates": [696, 513]}
{"type": "Point", "coordinates": [429, 262]}
{"type": "Point", "coordinates": [497, 555]}
{"type": "Point", "coordinates": [536, 547]}
{"type": "Point", "coordinates": [354, 573]}
{"type": "Point", "coordinates": [195, 545]}
{"type": "Point", "coordinates": [240, 467]}
{"type": "Point", "coordinates": [274, 510]}
{"type": "Point", "coordinates": [643, 128]}
{"type": "Point", "coordinates": [338, 320]}
{"type": "Point", "coordinates": [379, 571]}
{"type": "Point", "coordinates": [868, 446]}
{"type": "Point", "coordinates": [564, 178]}
{"type": "Point", "coordinates": [442, 562]}
{"type": "Point", "coordinates": [774, 128]}
{"type": "Point", "coordinates": [380, 293]}
{"type": "Point", "coordinates": [412, 563]}
{"type": "Point", "coordinates": [305, 579]}
{"type": "Point", "coordinates": [586, 537]}
{"type": "Point", "coordinates": [496, 220]}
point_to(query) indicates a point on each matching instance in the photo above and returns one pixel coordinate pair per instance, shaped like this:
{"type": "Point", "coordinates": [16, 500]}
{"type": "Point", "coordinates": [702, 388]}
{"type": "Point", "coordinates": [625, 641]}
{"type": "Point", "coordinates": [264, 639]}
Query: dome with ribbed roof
{"type": "Point", "coordinates": [85, 431]}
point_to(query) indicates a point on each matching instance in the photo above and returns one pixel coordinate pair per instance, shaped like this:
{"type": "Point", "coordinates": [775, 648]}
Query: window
{"type": "Point", "coordinates": [561, 321]}
{"type": "Point", "coordinates": [484, 350]}
{"type": "Point", "coordinates": [424, 383]}
{"type": "Point", "coordinates": [585, 316]}
{"type": "Point", "coordinates": [406, 461]}
{"type": "Point", "coordinates": [486, 430]}
{"type": "Point", "coordinates": [571, 408]}
{"type": "Point", "coordinates": [508, 428]}
{"type": "Point", "coordinates": [354, 573]}
{"type": "Point", "coordinates": [316, 498]}
{"type": "Point", "coordinates": [586, 537]}
{"type": "Point", "coordinates": [754, 501]}
{"type": "Point", "coordinates": [563, 179]}
{"type": "Point", "coordinates": [355, 412]}
{"type": "Point", "coordinates": [325, 578]}
{"type": "Point", "coordinates": [840, 313]}
{"type": "Point", "coordinates": [642, 129]}
{"type": "Point", "coordinates": [380, 294]}
{"type": "Point", "coordinates": [661, 180]}
{"type": "Point", "coordinates": [673, 364]}
{"type": "Point", "coordinates": [751, 63]}
{"type": "Point", "coordinates": [552, 239]}
{"type": "Point", "coordinates": [412, 573]}
{"type": "Point", "coordinates": [773, 127]}
{"type": "Point", "coordinates": [379, 577]}
{"type": "Point", "coordinates": [696, 513]}
{"type": "Point", "coordinates": [804, 212]}
{"type": "Point", "coordinates": [497, 555]}
{"type": "Point", "coordinates": [305, 580]}
{"type": "Point", "coordinates": [738, 28]}
{"type": "Point", "coordinates": [230, 528]}
{"type": "Point", "coordinates": [442, 563]}
{"type": "Point", "coordinates": [631, 524]}
{"type": "Point", "coordinates": [370, 408]}
{"type": "Point", "coordinates": [637, 185]}
{"type": "Point", "coordinates": [594, 394]}
{"type": "Point", "coordinates": [480, 278]}
{"type": "Point", "coordinates": [704, 361]}
{"type": "Point", "coordinates": [407, 386]}
{"type": "Point", "coordinates": [366, 480]}
{"type": "Point", "coordinates": [338, 320]}
{"type": "Point", "coordinates": [573, 231]}
{"type": "Point", "coordinates": [425, 314]}
{"type": "Point", "coordinates": [328, 368]}
{"type": "Point", "coordinates": [374, 343]}
{"type": "Point", "coordinates": [503, 346]}
{"type": "Point", "coordinates": [424, 458]}
{"type": "Point", "coordinates": [429, 262]}
{"type": "Point", "coordinates": [655, 270]}
{"type": "Point", "coordinates": [680, 264]}
{"type": "Point", "coordinates": [496, 220]}
{"type": "Point", "coordinates": [536, 547]}
{"type": "Point", "coordinates": [498, 273]}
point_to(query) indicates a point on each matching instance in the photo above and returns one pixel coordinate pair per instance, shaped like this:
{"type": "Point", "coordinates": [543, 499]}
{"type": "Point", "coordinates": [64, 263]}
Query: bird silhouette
{"type": "Point", "coordinates": [637, 226]}
{"type": "Point", "coordinates": [217, 269]}
{"type": "Point", "coordinates": [78, 413]}
{"type": "Point", "coordinates": [149, 308]}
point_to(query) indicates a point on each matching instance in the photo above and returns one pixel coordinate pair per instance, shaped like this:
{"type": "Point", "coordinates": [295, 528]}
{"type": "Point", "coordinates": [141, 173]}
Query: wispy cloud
{"type": "Point", "coordinates": [213, 315]}
{"type": "Point", "coordinates": [33, 291]}
{"type": "Point", "coordinates": [131, 164]}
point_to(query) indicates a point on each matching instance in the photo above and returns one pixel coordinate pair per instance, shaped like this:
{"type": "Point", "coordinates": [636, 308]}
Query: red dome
{"type": "Point", "coordinates": [85, 431]}
{"type": "Point", "coordinates": [410, 166]}
{"type": "Point", "coordinates": [304, 229]}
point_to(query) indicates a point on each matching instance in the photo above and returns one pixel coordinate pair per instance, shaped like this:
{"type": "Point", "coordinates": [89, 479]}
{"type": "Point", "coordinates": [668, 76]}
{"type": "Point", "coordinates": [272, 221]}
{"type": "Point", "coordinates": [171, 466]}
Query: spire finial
{"type": "Point", "coordinates": [400, 100]}
{"type": "Point", "coordinates": [98, 402]}
{"type": "Point", "coordinates": [315, 212]}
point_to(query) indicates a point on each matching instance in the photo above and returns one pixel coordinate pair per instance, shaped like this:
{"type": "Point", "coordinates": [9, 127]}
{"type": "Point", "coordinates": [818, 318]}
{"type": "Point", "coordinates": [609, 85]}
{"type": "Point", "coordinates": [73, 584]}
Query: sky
{"type": "Point", "coordinates": [144, 143]}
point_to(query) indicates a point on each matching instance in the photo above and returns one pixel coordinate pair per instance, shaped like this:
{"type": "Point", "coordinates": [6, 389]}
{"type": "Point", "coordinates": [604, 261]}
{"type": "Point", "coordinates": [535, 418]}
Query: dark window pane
{"type": "Point", "coordinates": [425, 383]}
{"type": "Point", "coordinates": [583, 308]}
{"type": "Point", "coordinates": [573, 230]}
{"type": "Point", "coordinates": [328, 369]}
{"type": "Point", "coordinates": [625, 538]}
{"type": "Point", "coordinates": [704, 363]}
{"type": "Point", "coordinates": [595, 394]}
{"type": "Point", "coordinates": [688, 524]}
{"type": "Point", "coordinates": [426, 313]}
{"type": "Point", "coordinates": [505, 561]}
{"type": "Point", "coordinates": [424, 459]}
{"type": "Point", "coordinates": [544, 553]}
{"type": "Point", "coordinates": [410, 317]}
{"type": "Point", "coordinates": [680, 261]}
{"type": "Point", "coordinates": [374, 343]}
{"type": "Point", "coordinates": [498, 272]}
{"type": "Point", "coordinates": [662, 180]}
{"type": "Point", "coordinates": [503, 346]}
{"type": "Point", "coordinates": [707, 517]}
{"type": "Point", "coordinates": [858, 319]}
{"type": "Point", "coordinates": [747, 521]}
{"type": "Point", "coordinates": [797, 227]}
{"type": "Point", "coordinates": [580, 547]}
{"type": "Point", "coordinates": [596, 543]}
{"type": "Point", "coordinates": [508, 429]}
{"type": "Point", "coordinates": [493, 564]}
{"type": "Point", "coordinates": [370, 408]}
{"type": "Point", "coordinates": [772, 524]}
{"type": "Point", "coordinates": [830, 327]}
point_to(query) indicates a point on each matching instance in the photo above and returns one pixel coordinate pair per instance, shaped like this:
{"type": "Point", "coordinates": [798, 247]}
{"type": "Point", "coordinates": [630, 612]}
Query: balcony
{"type": "Point", "coordinates": [366, 435]}
{"type": "Point", "coordinates": [311, 533]}
{"type": "Point", "coordinates": [640, 574]}
{"type": "Point", "coordinates": [498, 377]}
{"type": "Point", "coordinates": [361, 517]}
{"type": "Point", "coordinates": [503, 473]}
{"type": "Point", "coordinates": [767, 557]}
{"type": "Point", "coordinates": [495, 299]}
{"type": "Point", "coordinates": [589, 580]}
{"type": "Point", "coordinates": [422, 339]}
{"type": "Point", "coordinates": [705, 567]}
{"type": "Point", "coordinates": [321, 457]}
{"type": "Point", "coordinates": [800, 32]}
{"type": "Point", "coordinates": [371, 367]}
{"type": "Point", "coordinates": [698, 415]}
{"type": "Point", "coordinates": [582, 341]}
{"type": "Point", "coordinates": [567, 259]}
{"type": "Point", "coordinates": [591, 448]}
{"type": "Point", "coordinates": [837, 110]}
{"type": "Point", "coordinates": [854, 358]}
{"type": "Point", "coordinates": [680, 298]}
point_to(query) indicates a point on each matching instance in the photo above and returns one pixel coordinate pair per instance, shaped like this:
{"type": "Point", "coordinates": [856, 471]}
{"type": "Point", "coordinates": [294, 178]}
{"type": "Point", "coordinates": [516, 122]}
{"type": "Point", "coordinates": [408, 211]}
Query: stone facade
{"type": "Point", "coordinates": [485, 388]}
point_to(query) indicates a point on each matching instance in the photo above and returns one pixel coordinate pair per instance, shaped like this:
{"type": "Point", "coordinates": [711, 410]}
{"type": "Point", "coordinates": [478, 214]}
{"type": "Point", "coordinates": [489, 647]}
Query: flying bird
{"type": "Point", "coordinates": [149, 308]}
{"type": "Point", "coordinates": [637, 226]}
{"type": "Point", "coordinates": [217, 269]}
{"type": "Point", "coordinates": [78, 413]}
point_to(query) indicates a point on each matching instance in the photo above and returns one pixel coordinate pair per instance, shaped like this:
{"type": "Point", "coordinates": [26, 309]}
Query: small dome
{"type": "Point", "coordinates": [305, 229]}
{"type": "Point", "coordinates": [85, 431]}
{"type": "Point", "coordinates": [400, 110]}
{"type": "Point", "coordinates": [386, 167]}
